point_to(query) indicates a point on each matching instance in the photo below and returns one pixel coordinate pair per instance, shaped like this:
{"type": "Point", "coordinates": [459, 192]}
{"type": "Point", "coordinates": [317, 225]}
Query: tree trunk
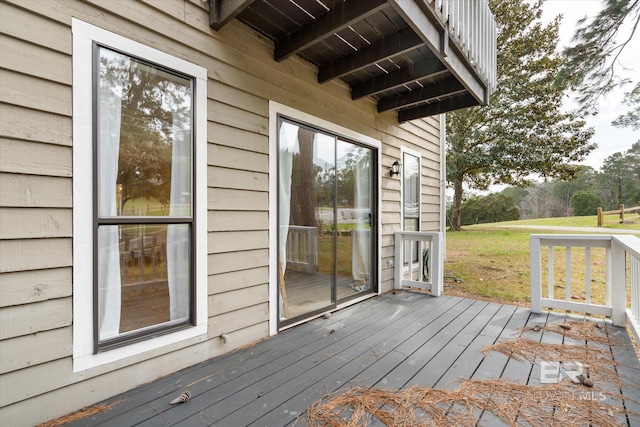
{"type": "Point", "coordinates": [457, 203]}
{"type": "Point", "coordinates": [303, 194]}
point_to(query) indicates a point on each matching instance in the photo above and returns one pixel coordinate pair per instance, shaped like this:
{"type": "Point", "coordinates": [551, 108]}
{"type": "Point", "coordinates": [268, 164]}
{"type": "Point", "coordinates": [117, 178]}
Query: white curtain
{"type": "Point", "coordinates": [109, 281]}
{"type": "Point", "coordinates": [178, 235]}
{"type": "Point", "coordinates": [361, 237]}
{"type": "Point", "coordinates": [288, 146]}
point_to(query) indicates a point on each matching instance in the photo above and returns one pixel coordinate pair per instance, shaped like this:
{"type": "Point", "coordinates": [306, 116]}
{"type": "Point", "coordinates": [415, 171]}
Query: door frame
{"type": "Point", "coordinates": [276, 110]}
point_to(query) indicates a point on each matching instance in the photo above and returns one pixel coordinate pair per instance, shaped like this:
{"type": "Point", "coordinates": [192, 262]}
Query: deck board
{"type": "Point", "coordinates": [390, 341]}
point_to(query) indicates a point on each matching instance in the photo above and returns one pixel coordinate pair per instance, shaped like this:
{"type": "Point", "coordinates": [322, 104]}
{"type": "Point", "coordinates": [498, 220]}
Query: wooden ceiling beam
{"type": "Point", "coordinates": [342, 16]}
{"type": "Point", "coordinates": [449, 104]}
{"type": "Point", "coordinates": [388, 47]}
{"type": "Point", "coordinates": [444, 88]}
{"type": "Point", "coordinates": [223, 11]}
{"type": "Point", "coordinates": [417, 71]}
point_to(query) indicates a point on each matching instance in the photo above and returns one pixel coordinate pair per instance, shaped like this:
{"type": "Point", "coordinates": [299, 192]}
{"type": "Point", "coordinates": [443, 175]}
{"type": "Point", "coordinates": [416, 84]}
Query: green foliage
{"type": "Point", "coordinates": [584, 203]}
{"type": "Point", "coordinates": [524, 130]}
{"type": "Point", "coordinates": [492, 208]}
{"type": "Point", "coordinates": [592, 60]}
{"type": "Point", "coordinates": [631, 118]}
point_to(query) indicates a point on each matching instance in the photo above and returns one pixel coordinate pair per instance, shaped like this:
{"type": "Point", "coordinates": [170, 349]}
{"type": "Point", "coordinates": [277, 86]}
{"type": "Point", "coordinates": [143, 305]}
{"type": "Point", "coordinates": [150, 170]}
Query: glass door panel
{"type": "Point", "coordinates": [354, 201]}
{"type": "Point", "coordinates": [306, 218]}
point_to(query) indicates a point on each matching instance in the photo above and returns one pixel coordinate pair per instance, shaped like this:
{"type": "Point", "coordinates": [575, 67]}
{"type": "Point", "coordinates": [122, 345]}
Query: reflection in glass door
{"type": "Point", "coordinates": [326, 221]}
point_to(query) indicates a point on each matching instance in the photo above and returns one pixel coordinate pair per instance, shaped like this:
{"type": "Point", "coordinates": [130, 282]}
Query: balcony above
{"type": "Point", "coordinates": [418, 57]}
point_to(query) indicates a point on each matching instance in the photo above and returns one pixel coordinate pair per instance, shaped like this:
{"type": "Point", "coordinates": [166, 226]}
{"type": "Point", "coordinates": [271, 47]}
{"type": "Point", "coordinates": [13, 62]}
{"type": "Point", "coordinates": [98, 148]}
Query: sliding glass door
{"type": "Point", "coordinates": [326, 217]}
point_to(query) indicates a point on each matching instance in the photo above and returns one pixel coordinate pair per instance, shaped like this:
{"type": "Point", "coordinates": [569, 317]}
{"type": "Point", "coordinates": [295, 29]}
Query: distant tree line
{"type": "Point", "coordinates": [617, 182]}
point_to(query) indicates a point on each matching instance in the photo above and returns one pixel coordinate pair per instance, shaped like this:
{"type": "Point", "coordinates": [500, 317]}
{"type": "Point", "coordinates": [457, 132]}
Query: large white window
{"type": "Point", "coordinates": [139, 198]}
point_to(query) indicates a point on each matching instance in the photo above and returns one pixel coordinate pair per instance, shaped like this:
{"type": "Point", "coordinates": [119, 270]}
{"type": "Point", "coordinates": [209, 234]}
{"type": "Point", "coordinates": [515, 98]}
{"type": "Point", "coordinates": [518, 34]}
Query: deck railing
{"type": "Point", "coordinates": [621, 276]}
{"type": "Point", "coordinates": [472, 27]}
{"type": "Point", "coordinates": [302, 248]}
{"type": "Point", "coordinates": [419, 259]}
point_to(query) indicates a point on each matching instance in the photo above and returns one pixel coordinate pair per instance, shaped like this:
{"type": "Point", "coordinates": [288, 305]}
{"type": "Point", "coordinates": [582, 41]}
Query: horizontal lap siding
{"type": "Point", "coordinates": [36, 199]}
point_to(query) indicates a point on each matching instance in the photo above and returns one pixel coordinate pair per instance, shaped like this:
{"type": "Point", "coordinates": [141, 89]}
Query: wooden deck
{"type": "Point", "coordinates": [391, 341]}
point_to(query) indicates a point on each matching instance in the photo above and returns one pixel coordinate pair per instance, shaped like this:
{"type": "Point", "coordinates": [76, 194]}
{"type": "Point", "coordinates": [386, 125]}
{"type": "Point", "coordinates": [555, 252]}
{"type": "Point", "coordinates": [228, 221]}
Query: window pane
{"type": "Point", "coordinates": [411, 174]}
{"type": "Point", "coordinates": [143, 277]}
{"type": "Point", "coordinates": [144, 139]}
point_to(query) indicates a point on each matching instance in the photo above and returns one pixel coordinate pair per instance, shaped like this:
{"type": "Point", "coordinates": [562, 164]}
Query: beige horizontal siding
{"type": "Point", "coordinates": [238, 319]}
{"type": "Point", "coordinates": [33, 60]}
{"type": "Point", "coordinates": [30, 223]}
{"type": "Point", "coordinates": [34, 125]}
{"type": "Point", "coordinates": [27, 350]}
{"type": "Point", "coordinates": [228, 136]}
{"type": "Point", "coordinates": [34, 93]}
{"type": "Point", "coordinates": [230, 157]}
{"type": "Point", "coordinates": [29, 286]}
{"type": "Point", "coordinates": [234, 220]}
{"type": "Point", "coordinates": [238, 299]}
{"type": "Point", "coordinates": [235, 280]}
{"type": "Point", "coordinates": [34, 158]}
{"type": "Point", "coordinates": [27, 319]}
{"type": "Point", "coordinates": [34, 254]}
{"type": "Point", "coordinates": [229, 199]}
{"type": "Point", "coordinates": [236, 261]}
{"type": "Point", "coordinates": [34, 191]}
{"type": "Point", "coordinates": [234, 241]}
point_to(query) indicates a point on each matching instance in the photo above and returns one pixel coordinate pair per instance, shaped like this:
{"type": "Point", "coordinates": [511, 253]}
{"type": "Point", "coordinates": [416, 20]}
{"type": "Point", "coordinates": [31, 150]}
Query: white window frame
{"type": "Point", "coordinates": [84, 36]}
{"type": "Point", "coordinates": [276, 109]}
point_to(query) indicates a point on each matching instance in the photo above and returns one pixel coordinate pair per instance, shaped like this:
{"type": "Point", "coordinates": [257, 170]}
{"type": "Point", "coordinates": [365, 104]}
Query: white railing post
{"type": "Point", "coordinates": [437, 275]}
{"type": "Point", "coordinates": [535, 267]}
{"type": "Point", "coordinates": [618, 284]}
{"type": "Point", "coordinates": [398, 261]}
{"type": "Point", "coordinates": [405, 242]}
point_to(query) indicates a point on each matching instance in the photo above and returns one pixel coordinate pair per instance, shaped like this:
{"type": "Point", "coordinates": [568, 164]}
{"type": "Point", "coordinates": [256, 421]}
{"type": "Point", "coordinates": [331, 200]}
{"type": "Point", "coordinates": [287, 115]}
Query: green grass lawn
{"type": "Point", "coordinates": [488, 262]}
{"type": "Point", "coordinates": [632, 222]}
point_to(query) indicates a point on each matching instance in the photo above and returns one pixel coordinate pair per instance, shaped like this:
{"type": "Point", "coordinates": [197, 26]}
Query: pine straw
{"type": "Point", "coordinates": [513, 404]}
{"type": "Point", "coordinates": [78, 415]}
{"type": "Point", "coordinates": [588, 331]}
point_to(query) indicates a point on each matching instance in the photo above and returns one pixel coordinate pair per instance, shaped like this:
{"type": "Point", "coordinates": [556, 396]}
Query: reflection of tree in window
{"type": "Point", "coordinates": [152, 101]}
{"type": "Point", "coordinates": [303, 177]}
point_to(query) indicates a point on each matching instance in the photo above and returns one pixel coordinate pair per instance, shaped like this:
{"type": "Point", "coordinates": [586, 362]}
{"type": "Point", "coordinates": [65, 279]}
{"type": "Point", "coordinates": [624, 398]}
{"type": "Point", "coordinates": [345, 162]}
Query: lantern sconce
{"type": "Point", "coordinates": [395, 168]}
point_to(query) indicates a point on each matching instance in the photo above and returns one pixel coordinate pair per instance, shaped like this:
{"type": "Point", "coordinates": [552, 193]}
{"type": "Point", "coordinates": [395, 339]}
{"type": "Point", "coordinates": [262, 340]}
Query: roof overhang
{"type": "Point", "coordinates": [418, 57]}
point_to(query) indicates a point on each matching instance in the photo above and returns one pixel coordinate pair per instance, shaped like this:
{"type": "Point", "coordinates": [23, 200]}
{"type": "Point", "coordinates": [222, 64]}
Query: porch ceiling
{"type": "Point", "coordinates": [397, 52]}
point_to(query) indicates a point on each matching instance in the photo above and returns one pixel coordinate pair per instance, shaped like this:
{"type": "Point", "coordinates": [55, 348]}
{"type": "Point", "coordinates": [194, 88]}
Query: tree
{"type": "Point", "coordinates": [593, 59]}
{"type": "Point", "coordinates": [631, 118]}
{"type": "Point", "coordinates": [303, 177]}
{"type": "Point", "coordinates": [621, 177]}
{"type": "Point", "coordinates": [524, 129]}
{"type": "Point", "coordinates": [492, 208]}
{"type": "Point", "coordinates": [584, 203]}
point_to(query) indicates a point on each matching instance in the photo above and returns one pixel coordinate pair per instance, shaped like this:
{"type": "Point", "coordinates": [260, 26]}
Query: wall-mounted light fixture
{"type": "Point", "coordinates": [395, 168]}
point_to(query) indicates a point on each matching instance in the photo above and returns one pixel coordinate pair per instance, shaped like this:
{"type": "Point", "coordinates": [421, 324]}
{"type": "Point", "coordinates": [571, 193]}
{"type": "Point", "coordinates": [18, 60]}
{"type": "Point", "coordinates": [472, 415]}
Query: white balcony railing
{"type": "Point", "coordinates": [419, 260]}
{"type": "Point", "coordinates": [620, 278]}
{"type": "Point", "coordinates": [302, 248]}
{"type": "Point", "coordinates": [472, 28]}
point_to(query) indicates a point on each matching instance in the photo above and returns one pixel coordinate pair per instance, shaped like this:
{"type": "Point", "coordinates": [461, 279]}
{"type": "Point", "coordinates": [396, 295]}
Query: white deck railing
{"type": "Point", "coordinates": [621, 276]}
{"type": "Point", "coordinates": [472, 27]}
{"type": "Point", "coordinates": [302, 248]}
{"type": "Point", "coordinates": [416, 268]}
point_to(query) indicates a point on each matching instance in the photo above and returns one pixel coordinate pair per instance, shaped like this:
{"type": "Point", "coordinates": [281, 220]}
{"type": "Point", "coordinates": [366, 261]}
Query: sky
{"type": "Point", "coordinates": [609, 138]}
